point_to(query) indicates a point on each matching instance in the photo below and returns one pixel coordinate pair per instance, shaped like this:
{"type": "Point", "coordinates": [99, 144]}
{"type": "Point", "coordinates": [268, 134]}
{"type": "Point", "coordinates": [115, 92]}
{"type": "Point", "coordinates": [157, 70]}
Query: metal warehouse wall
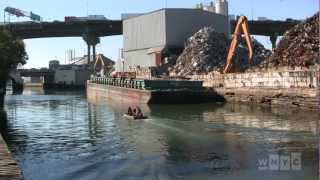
{"type": "Point", "coordinates": [139, 57]}
{"type": "Point", "coordinates": [166, 27]}
{"type": "Point", "coordinates": [144, 31]}
{"type": "Point", "coordinates": [183, 23]}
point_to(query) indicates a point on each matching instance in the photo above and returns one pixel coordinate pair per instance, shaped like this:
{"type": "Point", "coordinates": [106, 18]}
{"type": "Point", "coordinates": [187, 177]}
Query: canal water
{"type": "Point", "coordinates": [60, 135]}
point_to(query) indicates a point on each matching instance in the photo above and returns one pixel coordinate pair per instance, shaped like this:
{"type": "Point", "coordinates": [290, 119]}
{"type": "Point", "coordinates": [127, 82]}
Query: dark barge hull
{"type": "Point", "coordinates": [102, 92]}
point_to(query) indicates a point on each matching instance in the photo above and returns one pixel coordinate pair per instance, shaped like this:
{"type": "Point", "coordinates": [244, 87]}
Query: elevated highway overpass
{"type": "Point", "coordinates": [92, 30]}
{"type": "Point", "coordinates": [30, 30]}
{"type": "Point", "coordinates": [269, 28]}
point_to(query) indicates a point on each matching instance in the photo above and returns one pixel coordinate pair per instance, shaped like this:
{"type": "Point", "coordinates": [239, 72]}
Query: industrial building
{"type": "Point", "coordinates": [71, 77]}
{"type": "Point", "coordinates": [78, 72]}
{"type": "Point", "coordinates": [147, 37]}
{"type": "Point", "coordinates": [69, 74]}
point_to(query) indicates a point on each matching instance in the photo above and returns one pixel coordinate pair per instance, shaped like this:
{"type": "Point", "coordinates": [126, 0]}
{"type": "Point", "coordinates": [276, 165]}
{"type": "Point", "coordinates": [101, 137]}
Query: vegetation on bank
{"type": "Point", "coordinates": [12, 53]}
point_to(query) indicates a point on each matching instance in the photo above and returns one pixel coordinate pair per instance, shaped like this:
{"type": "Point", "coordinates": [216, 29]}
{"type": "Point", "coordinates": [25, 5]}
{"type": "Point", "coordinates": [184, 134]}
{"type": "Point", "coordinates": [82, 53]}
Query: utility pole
{"type": "Point", "coordinates": [252, 10]}
{"type": "Point", "coordinates": [87, 4]}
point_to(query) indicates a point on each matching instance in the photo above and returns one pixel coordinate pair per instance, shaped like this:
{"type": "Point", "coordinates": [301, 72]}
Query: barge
{"type": "Point", "coordinates": [143, 91]}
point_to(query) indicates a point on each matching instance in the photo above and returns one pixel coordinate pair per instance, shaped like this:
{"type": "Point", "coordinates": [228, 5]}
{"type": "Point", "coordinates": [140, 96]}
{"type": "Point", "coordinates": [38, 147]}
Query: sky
{"type": "Point", "coordinates": [41, 51]}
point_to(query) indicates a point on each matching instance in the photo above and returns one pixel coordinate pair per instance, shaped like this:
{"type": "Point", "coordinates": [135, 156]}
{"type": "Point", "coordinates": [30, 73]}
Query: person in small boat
{"type": "Point", "coordinates": [135, 112]}
{"type": "Point", "coordinates": [138, 113]}
{"type": "Point", "coordinates": [130, 112]}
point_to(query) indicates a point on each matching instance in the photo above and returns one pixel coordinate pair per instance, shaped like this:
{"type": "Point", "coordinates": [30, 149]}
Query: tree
{"type": "Point", "coordinates": [12, 52]}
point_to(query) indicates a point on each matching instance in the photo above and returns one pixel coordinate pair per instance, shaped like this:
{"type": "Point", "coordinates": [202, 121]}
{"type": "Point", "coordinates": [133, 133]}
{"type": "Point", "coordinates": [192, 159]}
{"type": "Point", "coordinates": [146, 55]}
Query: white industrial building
{"type": "Point", "coordinates": [147, 36]}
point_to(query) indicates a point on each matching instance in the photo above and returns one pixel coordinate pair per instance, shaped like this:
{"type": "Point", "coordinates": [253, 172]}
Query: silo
{"type": "Point", "coordinates": [53, 64]}
{"type": "Point", "coordinates": [222, 7]}
{"type": "Point", "coordinates": [210, 7]}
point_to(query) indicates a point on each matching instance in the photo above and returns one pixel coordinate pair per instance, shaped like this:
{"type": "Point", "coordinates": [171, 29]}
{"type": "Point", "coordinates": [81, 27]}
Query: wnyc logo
{"type": "Point", "coordinates": [276, 162]}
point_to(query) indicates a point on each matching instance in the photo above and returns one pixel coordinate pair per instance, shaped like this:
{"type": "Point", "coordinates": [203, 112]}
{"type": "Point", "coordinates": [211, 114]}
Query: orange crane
{"type": "Point", "coordinates": [242, 27]}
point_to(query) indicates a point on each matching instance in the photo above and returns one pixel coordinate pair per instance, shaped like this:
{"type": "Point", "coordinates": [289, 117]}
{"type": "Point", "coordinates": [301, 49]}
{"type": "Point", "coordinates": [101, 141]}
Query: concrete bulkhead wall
{"type": "Point", "coordinates": [276, 78]}
{"type": "Point", "coordinates": [285, 87]}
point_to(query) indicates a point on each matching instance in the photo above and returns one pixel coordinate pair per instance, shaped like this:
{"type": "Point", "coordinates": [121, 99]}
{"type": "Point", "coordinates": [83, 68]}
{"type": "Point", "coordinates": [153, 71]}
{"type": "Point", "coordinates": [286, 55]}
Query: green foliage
{"type": "Point", "coordinates": [12, 52]}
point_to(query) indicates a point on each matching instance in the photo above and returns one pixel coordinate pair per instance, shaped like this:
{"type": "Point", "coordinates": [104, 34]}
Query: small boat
{"type": "Point", "coordinates": [133, 117]}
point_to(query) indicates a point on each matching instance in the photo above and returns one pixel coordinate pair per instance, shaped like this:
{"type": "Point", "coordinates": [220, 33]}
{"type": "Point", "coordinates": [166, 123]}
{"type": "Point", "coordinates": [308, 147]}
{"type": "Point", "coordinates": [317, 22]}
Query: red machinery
{"type": "Point", "coordinates": [124, 75]}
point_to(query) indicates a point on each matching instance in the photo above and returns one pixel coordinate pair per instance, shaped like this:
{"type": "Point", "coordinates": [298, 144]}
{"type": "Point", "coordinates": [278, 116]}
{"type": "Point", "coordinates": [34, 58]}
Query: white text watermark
{"type": "Point", "coordinates": [276, 162]}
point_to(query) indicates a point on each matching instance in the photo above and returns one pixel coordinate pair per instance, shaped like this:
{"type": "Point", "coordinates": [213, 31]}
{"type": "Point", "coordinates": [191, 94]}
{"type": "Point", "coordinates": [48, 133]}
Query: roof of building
{"type": "Point", "coordinates": [84, 60]}
{"type": "Point", "coordinates": [172, 9]}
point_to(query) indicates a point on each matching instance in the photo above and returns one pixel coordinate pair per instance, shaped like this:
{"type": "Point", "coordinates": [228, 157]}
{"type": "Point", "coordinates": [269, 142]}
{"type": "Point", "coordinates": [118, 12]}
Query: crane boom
{"type": "Point", "coordinates": [242, 27]}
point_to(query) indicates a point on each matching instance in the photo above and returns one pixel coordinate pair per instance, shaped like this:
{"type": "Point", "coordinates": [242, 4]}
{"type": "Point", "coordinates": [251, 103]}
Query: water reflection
{"type": "Point", "coordinates": [70, 138]}
{"type": "Point", "coordinates": [16, 139]}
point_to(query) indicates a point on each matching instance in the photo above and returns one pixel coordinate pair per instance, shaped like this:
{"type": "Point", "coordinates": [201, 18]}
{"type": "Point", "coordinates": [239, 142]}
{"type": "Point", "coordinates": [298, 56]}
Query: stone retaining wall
{"type": "Point", "coordinates": [302, 98]}
{"type": "Point", "coordinates": [279, 78]}
{"type": "Point", "coordinates": [284, 87]}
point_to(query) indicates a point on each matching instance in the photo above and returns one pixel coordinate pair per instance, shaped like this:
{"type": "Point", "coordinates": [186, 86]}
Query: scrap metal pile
{"type": "Point", "coordinates": [206, 51]}
{"type": "Point", "coordinates": [299, 45]}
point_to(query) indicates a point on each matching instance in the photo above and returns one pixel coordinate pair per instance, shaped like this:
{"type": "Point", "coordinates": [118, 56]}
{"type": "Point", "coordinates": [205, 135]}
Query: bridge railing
{"type": "Point", "coordinates": [127, 83]}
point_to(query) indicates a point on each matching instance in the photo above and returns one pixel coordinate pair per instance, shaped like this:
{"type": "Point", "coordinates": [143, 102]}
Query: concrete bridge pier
{"type": "Point", "coordinates": [91, 40]}
{"type": "Point", "coordinates": [94, 52]}
{"type": "Point", "coordinates": [273, 40]}
{"type": "Point", "coordinates": [88, 53]}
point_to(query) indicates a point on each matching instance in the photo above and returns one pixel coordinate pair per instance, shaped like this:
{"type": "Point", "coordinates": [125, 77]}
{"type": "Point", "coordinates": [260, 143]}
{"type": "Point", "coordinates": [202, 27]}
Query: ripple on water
{"type": "Point", "coordinates": [68, 138]}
